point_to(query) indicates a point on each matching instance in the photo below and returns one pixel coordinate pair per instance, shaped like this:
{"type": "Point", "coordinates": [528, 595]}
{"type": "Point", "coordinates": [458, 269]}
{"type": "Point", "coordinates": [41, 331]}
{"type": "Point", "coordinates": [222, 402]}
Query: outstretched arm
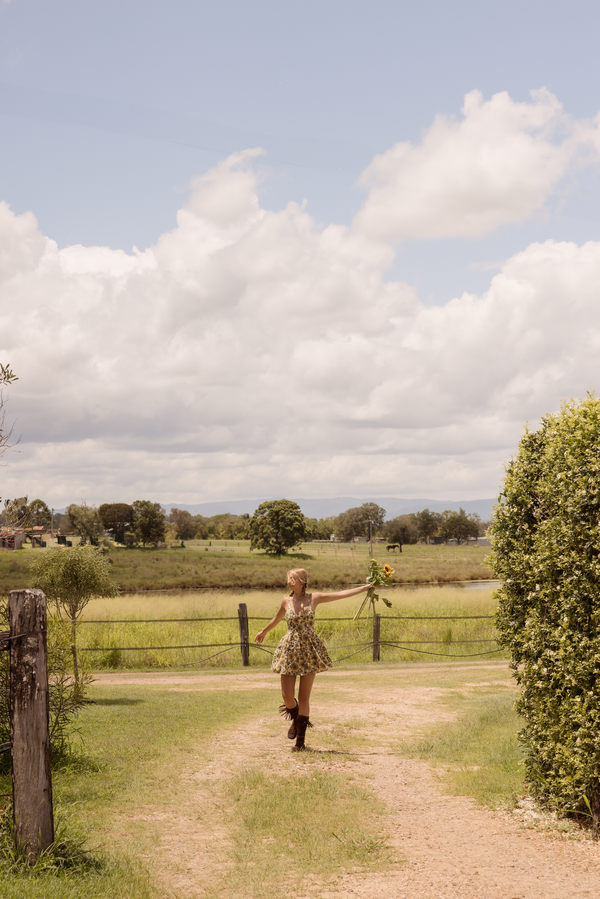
{"type": "Point", "coordinates": [318, 598]}
{"type": "Point", "coordinates": [272, 623]}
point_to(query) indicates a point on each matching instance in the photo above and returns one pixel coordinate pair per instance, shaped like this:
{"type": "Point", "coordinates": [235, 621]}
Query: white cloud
{"type": "Point", "coordinates": [252, 353]}
{"type": "Point", "coordinates": [496, 165]}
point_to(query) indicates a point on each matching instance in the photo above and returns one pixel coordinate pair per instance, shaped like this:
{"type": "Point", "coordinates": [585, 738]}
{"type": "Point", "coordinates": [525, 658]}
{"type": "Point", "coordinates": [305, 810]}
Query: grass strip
{"type": "Point", "coordinates": [69, 868]}
{"type": "Point", "coordinates": [480, 752]}
{"type": "Point", "coordinates": [136, 741]}
{"type": "Point", "coordinates": [297, 828]}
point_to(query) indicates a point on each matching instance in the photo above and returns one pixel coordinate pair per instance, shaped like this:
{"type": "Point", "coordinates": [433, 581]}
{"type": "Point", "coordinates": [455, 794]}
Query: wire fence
{"type": "Point", "coordinates": [243, 645]}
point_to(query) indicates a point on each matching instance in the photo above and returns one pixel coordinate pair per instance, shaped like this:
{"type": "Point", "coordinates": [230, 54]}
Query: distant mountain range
{"type": "Point", "coordinates": [323, 508]}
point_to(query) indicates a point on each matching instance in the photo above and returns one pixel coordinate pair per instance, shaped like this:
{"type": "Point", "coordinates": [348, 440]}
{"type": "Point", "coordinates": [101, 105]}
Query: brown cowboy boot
{"type": "Point", "coordinates": [302, 723]}
{"type": "Point", "coordinates": [291, 715]}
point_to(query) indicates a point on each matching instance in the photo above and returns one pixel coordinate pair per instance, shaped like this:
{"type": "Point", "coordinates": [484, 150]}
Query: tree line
{"type": "Point", "coordinates": [369, 521]}
{"type": "Point", "coordinates": [274, 524]}
{"type": "Point", "coordinates": [279, 525]}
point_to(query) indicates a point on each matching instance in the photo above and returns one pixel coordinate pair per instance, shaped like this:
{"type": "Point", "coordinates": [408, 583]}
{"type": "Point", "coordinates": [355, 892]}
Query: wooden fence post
{"type": "Point", "coordinates": [244, 635]}
{"type": "Point", "coordinates": [29, 729]}
{"type": "Point", "coordinates": [376, 637]}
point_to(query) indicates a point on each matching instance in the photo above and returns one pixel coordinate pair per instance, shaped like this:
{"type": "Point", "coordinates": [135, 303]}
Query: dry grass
{"type": "Point", "coordinates": [199, 607]}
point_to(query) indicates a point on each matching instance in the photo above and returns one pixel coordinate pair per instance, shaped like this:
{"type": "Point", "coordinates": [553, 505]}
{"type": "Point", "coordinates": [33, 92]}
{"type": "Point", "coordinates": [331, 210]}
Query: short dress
{"type": "Point", "coordinates": [300, 651]}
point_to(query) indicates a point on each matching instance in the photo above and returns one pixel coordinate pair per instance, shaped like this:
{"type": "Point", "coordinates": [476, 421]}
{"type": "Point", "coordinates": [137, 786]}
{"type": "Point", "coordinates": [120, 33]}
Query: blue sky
{"type": "Point", "coordinates": [110, 112]}
{"type": "Point", "coordinates": [110, 103]}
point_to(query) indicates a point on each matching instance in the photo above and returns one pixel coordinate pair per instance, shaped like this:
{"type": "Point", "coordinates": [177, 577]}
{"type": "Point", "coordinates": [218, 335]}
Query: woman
{"type": "Point", "coordinates": [300, 652]}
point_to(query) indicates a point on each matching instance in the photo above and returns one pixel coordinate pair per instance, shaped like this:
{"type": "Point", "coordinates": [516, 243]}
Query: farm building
{"type": "Point", "coordinates": [11, 538]}
{"type": "Point", "coordinates": [35, 535]}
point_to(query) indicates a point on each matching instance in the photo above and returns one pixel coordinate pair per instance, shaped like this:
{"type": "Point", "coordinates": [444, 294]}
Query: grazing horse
{"type": "Point", "coordinates": [393, 546]}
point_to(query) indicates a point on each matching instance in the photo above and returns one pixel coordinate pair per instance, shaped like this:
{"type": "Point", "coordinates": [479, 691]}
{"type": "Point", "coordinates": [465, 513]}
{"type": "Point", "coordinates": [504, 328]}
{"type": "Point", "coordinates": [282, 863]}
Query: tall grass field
{"type": "Point", "coordinates": [110, 627]}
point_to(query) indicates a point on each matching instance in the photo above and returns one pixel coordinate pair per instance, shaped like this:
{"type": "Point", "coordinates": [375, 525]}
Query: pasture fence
{"type": "Point", "coordinates": [243, 644]}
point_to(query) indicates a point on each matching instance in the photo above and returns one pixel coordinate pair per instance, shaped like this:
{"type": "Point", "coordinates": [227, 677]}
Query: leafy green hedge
{"type": "Point", "coordinates": [547, 553]}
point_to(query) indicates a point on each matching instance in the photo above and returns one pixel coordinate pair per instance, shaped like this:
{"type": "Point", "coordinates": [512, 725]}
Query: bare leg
{"type": "Point", "coordinates": [306, 685]}
{"type": "Point", "coordinates": [288, 688]}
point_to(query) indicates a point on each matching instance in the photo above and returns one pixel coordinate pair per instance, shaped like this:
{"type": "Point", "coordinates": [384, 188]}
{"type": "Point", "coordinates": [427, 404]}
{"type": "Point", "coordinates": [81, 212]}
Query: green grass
{"type": "Point", "coordinates": [229, 564]}
{"type": "Point", "coordinates": [136, 741]}
{"type": "Point", "coordinates": [430, 601]}
{"type": "Point", "coordinates": [70, 871]}
{"type": "Point", "coordinates": [480, 753]}
{"type": "Point", "coordinates": [127, 777]}
{"type": "Point", "coordinates": [144, 743]}
{"type": "Point", "coordinates": [291, 826]}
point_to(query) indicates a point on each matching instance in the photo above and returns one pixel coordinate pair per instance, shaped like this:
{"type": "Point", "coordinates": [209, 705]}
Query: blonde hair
{"type": "Point", "coordinates": [299, 574]}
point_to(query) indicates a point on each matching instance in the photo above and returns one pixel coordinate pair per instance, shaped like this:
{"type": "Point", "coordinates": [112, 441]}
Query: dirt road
{"type": "Point", "coordinates": [451, 848]}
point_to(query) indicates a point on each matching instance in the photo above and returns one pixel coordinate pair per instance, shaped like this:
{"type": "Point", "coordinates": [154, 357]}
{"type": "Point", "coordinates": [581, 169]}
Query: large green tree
{"type": "Point", "coordinates": [427, 523]}
{"type": "Point", "coordinates": [546, 550]}
{"type": "Point", "coordinates": [276, 526]}
{"type": "Point", "coordinates": [39, 514]}
{"type": "Point", "coordinates": [361, 521]}
{"type": "Point", "coordinates": [185, 526]}
{"type": "Point", "coordinates": [116, 518]}
{"type": "Point", "coordinates": [458, 525]}
{"type": "Point", "coordinates": [401, 529]}
{"type": "Point", "coordinates": [149, 522]}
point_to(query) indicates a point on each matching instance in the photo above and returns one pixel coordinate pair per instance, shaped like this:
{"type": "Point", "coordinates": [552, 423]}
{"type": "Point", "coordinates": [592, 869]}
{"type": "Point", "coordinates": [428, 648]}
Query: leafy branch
{"type": "Point", "coordinates": [6, 375]}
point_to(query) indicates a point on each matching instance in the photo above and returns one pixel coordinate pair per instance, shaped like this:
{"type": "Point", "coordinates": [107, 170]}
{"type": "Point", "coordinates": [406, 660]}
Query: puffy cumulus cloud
{"type": "Point", "coordinates": [253, 353]}
{"type": "Point", "coordinates": [496, 165]}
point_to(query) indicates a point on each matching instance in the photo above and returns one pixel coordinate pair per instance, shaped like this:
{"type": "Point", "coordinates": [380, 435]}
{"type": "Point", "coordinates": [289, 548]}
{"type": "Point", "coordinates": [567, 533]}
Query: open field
{"type": "Point", "coordinates": [199, 607]}
{"type": "Point", "coordinates": [229, 564]}
{"type": "Point", "coordinates": [187, 789]}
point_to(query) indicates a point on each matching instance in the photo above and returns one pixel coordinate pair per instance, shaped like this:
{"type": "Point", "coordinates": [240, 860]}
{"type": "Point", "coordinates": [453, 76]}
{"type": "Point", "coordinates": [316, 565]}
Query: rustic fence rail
{"type": "Point", "coordinates": [243, 645]}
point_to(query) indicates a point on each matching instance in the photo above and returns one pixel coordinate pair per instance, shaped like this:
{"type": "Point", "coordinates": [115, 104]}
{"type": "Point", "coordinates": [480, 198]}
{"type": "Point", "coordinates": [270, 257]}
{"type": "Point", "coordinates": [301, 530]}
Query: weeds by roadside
{"type": "Point", "coordinates": [68, 869]}
{"type": "Point", "coordinates": [480, 752]}
{"type": "Point", "coordinates": [68, 852]}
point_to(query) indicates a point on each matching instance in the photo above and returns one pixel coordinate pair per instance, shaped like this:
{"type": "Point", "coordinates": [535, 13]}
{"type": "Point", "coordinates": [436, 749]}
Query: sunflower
{"type": "Point", "coordinates": [388, 571]}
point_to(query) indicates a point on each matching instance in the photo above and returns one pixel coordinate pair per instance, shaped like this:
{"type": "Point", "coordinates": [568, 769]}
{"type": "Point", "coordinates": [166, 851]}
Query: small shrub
{"type": "Point", "coordinates": [66, 697]}
{"type": "Point", "coordinates": [70, 578]}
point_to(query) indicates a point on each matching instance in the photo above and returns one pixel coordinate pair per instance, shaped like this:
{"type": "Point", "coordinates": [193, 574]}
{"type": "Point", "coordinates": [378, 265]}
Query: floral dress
{"type": "Point", "coordinates": [300, 651]}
